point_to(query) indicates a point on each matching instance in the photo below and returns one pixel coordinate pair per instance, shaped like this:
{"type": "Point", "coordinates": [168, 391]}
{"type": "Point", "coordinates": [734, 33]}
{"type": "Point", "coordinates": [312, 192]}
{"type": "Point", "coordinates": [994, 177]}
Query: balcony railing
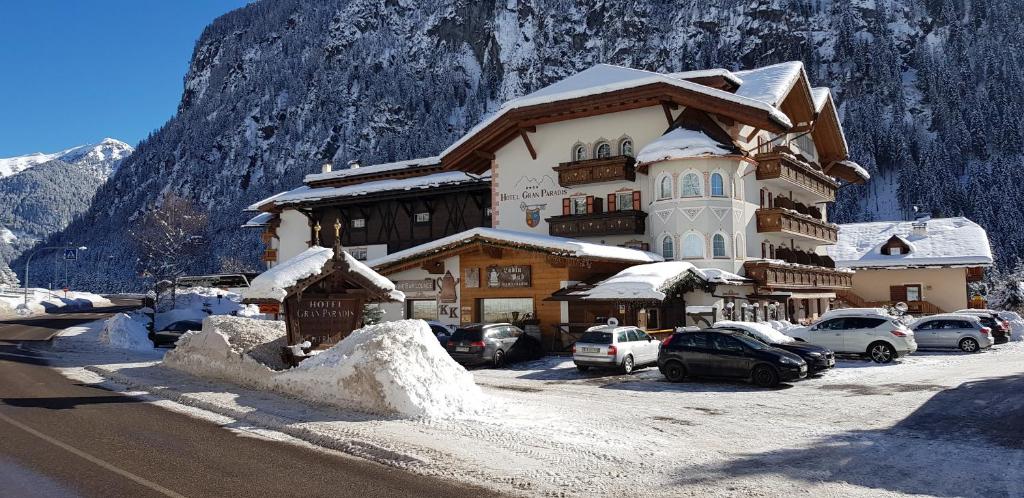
{"type": "Point", "coordinates": [596, 224]}
{"type": "Point", "coordinates": [790, 222]}
{"type": "Point", "coordinates": [782, 275]}
{"type": "Point", "coordinates": [785, 168]}
{"type": "Point", "coordinates": [605, 169]}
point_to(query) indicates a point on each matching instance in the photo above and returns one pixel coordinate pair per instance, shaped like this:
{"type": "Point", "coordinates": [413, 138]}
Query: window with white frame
{"type": "Point", "coordinates": [668, 248]}
{"type": "Point", "coordinates": [578, 205]}
{"type": "Point", "coordinates": [359, 223]}
{"type": "Point", "coordinates": [626, 147]}
{"type": "Point", "coordinates": [624, 201]}
{"type": "Point", "coordinates": [691, 185]}
{"type": "Point", "coordinates": [579, 152]}
{"type": "Point", "coordinates": [422, 217]}
{"type": "Point", "coordinates": [717, 185]}
{"type": "Point", "coordinates": [665, 187]}
{"type": "Point", "coordinates": [718, 246]}
{"type": "Point", "coordinates": [693, 246]}
{"type": "Point", "coordinates": [357, 252]}
{"type": "Point", "coordinates": [603, 150]}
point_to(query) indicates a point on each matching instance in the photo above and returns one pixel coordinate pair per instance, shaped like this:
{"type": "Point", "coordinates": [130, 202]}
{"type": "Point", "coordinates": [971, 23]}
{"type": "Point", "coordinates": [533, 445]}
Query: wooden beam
{"type": "Point", "coordinates": [484, 155]}
{"type": "Point", "coordinates": [526, 140]}
{"type": "Point", "coordinates": [492, 251]}
{"type": "Point", "coordinates": [668, 107]}
{"type": "Point", "coordinates": [750, 136]}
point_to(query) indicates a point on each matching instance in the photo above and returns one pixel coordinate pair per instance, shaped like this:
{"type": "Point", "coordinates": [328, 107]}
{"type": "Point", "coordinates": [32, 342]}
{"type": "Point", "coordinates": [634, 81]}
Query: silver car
{"type": "Point", "coordinates": [610, 346]}
{"type": "Point", "coordinates": [952, 331]}
{"type": "Point", "coordinates": [483, 343]}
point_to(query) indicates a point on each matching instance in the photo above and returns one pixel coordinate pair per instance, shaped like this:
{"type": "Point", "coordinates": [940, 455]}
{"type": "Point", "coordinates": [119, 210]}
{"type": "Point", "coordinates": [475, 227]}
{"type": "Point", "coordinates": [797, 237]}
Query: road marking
{"type": "Point", "coordinates": [111, 467]}
{"type": "Point", "coordinates": [21, 355]}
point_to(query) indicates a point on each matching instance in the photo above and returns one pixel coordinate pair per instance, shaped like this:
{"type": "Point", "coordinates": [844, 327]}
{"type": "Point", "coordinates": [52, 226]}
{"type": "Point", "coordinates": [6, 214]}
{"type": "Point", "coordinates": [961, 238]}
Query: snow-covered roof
{"type": "Point", "coordinates": [770, 84]}
{"type": "Point", "coordinates": [273, 283]}
{"type": "Point", "coordinates": [855, 168]}
{"type": "Point", "coordinates": [559, 246]}
{"type": "Point", "coordinates": [682, 143]}
{"type": "Point", "coordinates": [605, 78]}
{"type": "Point", "coordinates": [708, 73]}
{"type": "Point", "coordinates": [652, 281]}
{"type": "Point", "coordinates": [764, 331]}
{"type": "Point", "coordinates": [256, 205]}
{"type": "Point", "coordinates": [260, 220]}
{"type": "Point", "coordinates": [946, 242]}
{"type": "Point", "coordinates": [373, 169]}
{"type": "Point", "coordinates": [305, 193]}
{"type": "Point", "coordinates": [820, 95]}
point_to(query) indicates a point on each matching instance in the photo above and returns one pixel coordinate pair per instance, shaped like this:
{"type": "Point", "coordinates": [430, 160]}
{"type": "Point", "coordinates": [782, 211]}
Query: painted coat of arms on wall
{"type": "Point", "coordinates": [532, 212]}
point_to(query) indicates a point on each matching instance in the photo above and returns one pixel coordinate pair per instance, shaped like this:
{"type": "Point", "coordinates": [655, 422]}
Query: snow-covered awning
{"type": "Point", "coordinates": [556, 246]}
{"type": "Point", "coordinates": [274, 284]}
{"type": "Point", "coordinates": [648, 282]}
{"type": "Point", "coordinates": [849, 171]}
{"type": "Point", "coordinates": [682, 143]}
{"type": "Point", "coordinates": [260, 220]}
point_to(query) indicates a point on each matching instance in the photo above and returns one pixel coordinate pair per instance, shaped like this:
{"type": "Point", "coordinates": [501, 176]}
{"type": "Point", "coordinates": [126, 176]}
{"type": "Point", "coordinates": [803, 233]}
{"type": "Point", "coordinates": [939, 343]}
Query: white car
{"type": "Point", "coordinates": [611, 346]}
{"type": "Point", "coordinates": [880, 337]}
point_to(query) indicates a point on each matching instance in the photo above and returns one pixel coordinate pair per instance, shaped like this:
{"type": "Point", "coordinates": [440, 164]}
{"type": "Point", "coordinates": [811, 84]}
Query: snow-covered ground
{"type": "Point", "coordinates": [933, 423]}
{"type": "Point", "coordinates": [12, 301]}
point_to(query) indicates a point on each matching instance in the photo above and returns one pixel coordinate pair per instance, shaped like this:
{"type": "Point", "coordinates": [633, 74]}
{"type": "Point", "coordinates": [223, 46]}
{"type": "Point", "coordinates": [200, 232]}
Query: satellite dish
{"type": "Point", "coordinates": [901, 307]}
{"type": "Point", "coordinates": [613, 322]}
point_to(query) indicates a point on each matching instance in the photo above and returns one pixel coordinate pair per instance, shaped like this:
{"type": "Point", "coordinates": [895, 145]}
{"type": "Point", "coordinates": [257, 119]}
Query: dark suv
{"type": "Point", "coordinates": [723, 353]}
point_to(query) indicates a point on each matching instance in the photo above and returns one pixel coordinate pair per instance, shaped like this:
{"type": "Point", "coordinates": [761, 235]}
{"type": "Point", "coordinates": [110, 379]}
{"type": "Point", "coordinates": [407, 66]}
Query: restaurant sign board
{"type": "Point", "coordinates": [509, 277]}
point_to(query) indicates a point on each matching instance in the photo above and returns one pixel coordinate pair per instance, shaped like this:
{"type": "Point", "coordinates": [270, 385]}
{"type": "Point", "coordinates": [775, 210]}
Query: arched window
{"type": "Point", "coordinates": [603, 150]}
{"type": "Point", "coordinates": [665, 187]}
{"type": "Point", "coordinates": [718, 246]}
{"type": "Point", "coordinates": [693, 246]}
{"type": "Point", "coordinates": [717, 185]}
{"type": "Point", "coordinates": [626, 147]}
{"type": "Point", "coordinates": [579, 152]}
{"type": "Point", "coordinates": [691, 185]}
{"type": "Point", "coordinates": [667, 248]}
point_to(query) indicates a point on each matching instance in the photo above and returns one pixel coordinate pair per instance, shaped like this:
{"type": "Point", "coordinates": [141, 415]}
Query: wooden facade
{"type": "Point", "coordinates": [598, 224]}
{"type": "Point", "coordinates": [792, 223]}
{"type": "Point", "coordinates": [597, 170]}
{"type": "Point", "coordinates": [790, 172]}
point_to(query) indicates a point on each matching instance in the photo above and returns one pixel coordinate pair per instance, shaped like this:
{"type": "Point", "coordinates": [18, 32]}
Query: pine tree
{"type": "Point", "coordinates": [7, 276]}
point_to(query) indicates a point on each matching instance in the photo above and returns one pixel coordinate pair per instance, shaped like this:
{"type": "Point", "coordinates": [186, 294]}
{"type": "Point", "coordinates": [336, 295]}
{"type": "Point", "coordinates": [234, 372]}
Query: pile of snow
{"type": "Point", "coordinates": [682, 143]}
{"type": "Point", "coordinates": [762, 330]}
{"type": "Point", "coordinates": [273, 283]}
{"type": "Point", "coordinates": [394, 368]}
{"type": "Point", "coordinates": [125, 331]}
{"type": "Point", "coordinates": [1016, 324]}
{"type": "Point", "coordinates": [197, 303]}
{"type": "Point", "coordinates": [12, 303]}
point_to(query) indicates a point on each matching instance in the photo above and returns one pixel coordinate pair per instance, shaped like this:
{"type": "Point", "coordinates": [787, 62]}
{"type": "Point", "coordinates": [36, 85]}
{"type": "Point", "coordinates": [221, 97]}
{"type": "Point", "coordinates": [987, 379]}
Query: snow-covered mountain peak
{"type": "Point", "coordinates": [102, 157]}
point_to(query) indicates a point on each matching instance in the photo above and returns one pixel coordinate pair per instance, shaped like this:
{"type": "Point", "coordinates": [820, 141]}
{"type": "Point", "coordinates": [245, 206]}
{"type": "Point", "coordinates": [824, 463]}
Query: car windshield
{"type": "Point", "coordinates": [752, 343]}
{"type": "Point", "coordinates": [749, 335]}
{"type": "Point", "coordinates": [594, 337]}
{"type": "Point", "coordinates": [472, 335]}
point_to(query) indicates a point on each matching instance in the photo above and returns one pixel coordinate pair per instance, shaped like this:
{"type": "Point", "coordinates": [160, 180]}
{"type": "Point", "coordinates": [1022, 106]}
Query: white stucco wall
{"type": "Point", "coordinates": [448, 312]}
{"type": "Point", "coordinates": [293, 234]}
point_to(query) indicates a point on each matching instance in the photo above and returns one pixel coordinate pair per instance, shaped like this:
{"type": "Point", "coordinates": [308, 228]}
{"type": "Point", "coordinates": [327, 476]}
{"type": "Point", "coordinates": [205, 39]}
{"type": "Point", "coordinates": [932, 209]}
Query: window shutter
{"type": "Point", "coordinates": [611, 203]}
{"type": "Point", "coordinates": [636, 200]}
{"type": "Point", "coordinates": [590, 204]}
{"type": "Point", "coordinates": [565, 205]}
{"type": "Point", "coordinates": [897, 293]}
{"type": "Point", "coordinates": [598, 205]}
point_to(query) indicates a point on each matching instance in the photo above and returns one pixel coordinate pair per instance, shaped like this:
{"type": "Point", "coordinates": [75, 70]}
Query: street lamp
{"type": "Point", "coordinates": [33, 253]}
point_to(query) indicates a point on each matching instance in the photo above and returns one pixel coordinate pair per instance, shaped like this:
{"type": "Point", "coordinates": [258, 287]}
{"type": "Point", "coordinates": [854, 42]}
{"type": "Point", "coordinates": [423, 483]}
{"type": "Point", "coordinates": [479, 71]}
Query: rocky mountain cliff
{"type": "Point", "coordinates": [928, 92]}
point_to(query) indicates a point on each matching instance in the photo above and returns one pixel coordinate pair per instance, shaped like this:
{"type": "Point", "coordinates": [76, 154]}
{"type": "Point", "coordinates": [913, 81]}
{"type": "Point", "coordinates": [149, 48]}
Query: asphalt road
{"type": "Point", "coordinates": [59, 438]}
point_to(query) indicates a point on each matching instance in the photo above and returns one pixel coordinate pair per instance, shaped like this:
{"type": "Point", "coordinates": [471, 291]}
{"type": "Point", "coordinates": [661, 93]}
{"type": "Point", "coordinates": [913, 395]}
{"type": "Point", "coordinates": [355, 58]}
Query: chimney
{"type": "Point", "coordinates": [919, 228]}
{"type": "Point", "coordinates": [326, 168]}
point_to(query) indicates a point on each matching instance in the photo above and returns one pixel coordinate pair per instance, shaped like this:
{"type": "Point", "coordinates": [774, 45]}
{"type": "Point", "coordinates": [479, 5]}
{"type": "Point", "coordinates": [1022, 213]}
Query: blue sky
{"type": "Point", "coordinates": [74, 72]}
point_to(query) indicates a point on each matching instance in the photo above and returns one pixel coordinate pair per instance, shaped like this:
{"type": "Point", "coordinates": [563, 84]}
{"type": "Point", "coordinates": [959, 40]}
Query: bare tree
{"type": "Point", "coordinates": [170, 237]}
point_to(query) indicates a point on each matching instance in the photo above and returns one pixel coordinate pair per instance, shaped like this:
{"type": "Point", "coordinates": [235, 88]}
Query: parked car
{"type": "Point", "coordinates": [441, 331]}
{"type": "Point", "coordinates": [950, 331]}
{"type": "Point", "coordinates": [883, 338]}
{"type": "Point", "coordinates": [729, 354]}
{"type": "Point", "coordinates": [991, 319]}
{"type": "Point", "coordinates": [491, 343]}
{"type": "Point", "coordinates": [818, 358]}
{"type": "Point", "coordinates": [612, 346]}
{"type": "Point", "coordinates": [171, 333]}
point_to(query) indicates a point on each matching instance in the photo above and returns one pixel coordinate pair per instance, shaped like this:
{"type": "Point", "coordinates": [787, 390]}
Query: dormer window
{"type": "Point", "coordinates": [579, 152]}
{"type": "Point", "coordinates": [604, 150]}
{"type": "Point", "coordinates": [896, 246]}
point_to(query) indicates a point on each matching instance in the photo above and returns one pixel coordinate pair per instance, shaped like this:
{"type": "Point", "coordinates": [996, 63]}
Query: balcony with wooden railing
{"type": "Point", "coordinates": [793, 223]}
{"type": "Point", "coordinates": [627, 222]}
{"type": "Point", "coordinates": [792, 269]}
{"type": "Point", "coordinates": [597, 170]}
{"type": "Point", "coordinates": [782, 169]}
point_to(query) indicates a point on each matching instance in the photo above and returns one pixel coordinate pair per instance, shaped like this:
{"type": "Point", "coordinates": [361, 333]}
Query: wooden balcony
{"type": "Point", "coordinates": [788, 172]}
{"type": "Point", "coordinates": [587, 171]}
{"type": "Point", "coordinates": [597, 224]}
{"type": "Point", "coordinates": [780, 275]}
{"type": "Point", "coordinates": [789, 222]}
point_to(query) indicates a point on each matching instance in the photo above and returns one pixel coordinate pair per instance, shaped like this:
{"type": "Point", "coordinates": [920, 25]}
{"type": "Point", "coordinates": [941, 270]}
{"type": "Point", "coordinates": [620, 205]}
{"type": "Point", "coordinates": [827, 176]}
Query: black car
{"type": "Point", "coordinates": [818, 358]}
{"type": "Point", "coordinates": [170, 334]}
{"type": "Point", "coordinates": [724, 353]}
{"type": "Point", "coordinates": [1000, 328]}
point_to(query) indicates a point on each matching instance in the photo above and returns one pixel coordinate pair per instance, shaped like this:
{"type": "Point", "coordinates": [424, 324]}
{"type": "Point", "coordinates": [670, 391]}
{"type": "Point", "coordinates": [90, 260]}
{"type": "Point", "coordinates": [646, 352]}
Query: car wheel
{"type": "Point", "coordinates": [674, 371]}
{"type": "Point", "coordinates": [881, 352]}
{"type": "Point", "coordinates": [582, 368]}
{"type": "Point", "coordinates": [499, 359]}
{"type": "Point", "coordinates": [627, 365]}
{"type": "Point", "coordinates": [968, 345]}
{"type": "Point", "coordinates": [765, 376]}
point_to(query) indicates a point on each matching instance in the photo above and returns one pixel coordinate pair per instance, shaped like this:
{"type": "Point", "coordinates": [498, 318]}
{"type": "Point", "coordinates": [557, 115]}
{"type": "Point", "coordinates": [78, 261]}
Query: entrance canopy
{"type": "Point", "coordinates": [648, 282]}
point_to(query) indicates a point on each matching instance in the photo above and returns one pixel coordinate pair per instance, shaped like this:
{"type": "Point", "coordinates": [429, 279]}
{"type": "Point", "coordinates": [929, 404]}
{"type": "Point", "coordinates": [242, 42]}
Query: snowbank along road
{"type": "Point", "coordinates": [62, 438]}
